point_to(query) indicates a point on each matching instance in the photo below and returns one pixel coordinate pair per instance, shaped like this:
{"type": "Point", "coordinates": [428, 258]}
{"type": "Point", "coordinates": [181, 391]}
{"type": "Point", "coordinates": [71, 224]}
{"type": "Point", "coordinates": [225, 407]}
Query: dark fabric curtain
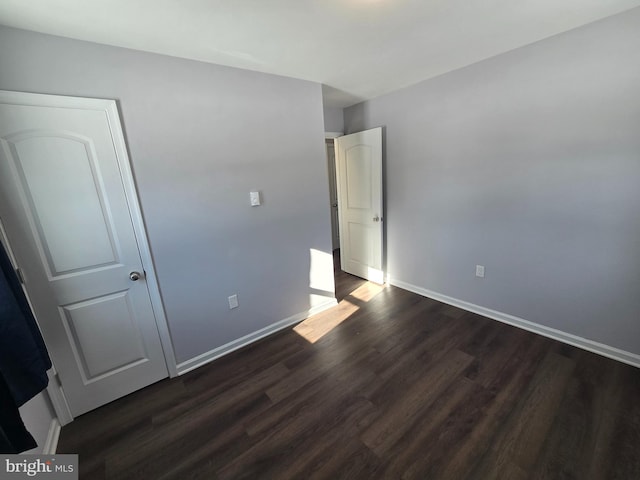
{"type": "Point", "coordinates": [14, 437]}
{"type": "Point", "coordinates": [24, 360]}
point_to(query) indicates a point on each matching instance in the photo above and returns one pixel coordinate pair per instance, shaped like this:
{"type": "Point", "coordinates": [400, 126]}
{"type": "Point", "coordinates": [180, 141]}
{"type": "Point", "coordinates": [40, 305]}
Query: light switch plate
{"type": "Point", "coordinates": [233, 302]}
{"type": "Point", "coordinates": [255, 198]}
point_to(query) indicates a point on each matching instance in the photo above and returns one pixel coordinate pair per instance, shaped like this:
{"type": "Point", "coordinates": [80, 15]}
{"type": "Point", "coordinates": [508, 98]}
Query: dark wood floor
{"type": "Point", "coordinates": [386, 385]}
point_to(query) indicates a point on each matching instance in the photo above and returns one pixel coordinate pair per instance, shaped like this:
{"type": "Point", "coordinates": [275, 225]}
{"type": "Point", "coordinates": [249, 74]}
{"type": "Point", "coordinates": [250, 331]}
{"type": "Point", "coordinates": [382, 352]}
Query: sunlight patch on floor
{"type": "Point", "coordinates": [366, 291]}
{"type": "Point", "coordinates": [314, 328]}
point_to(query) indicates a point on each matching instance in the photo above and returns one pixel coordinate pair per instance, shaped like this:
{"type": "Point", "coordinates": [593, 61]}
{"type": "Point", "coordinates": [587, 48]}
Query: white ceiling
{"type": "Point", "coordinates": [358, 49]}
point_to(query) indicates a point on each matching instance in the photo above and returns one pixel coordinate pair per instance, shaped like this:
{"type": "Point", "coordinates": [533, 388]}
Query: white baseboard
{"type": "Point", "coordinates": [51, 443]}
{"type": "Point", "coordinates": [57, 398]}
{"type": "Point", "coordinates": [218, 352]}
{"type": "Point", "coordinates": [585, 344]}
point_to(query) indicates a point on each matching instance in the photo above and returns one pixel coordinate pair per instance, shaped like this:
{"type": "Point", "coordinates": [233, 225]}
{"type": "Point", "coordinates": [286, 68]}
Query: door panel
{"type": "Point", "coordinates": [103, 335]}
{"type": "Point", "coordinates": [66, 215]}
{"type": "Point", "coordinates": [359, 246]}
{"type": "Point", "coordinates": [358, 169]}
{"type": "Point", "coordinates": [359, 175]}
{"type": "Point", "coordinates": [63, 197]}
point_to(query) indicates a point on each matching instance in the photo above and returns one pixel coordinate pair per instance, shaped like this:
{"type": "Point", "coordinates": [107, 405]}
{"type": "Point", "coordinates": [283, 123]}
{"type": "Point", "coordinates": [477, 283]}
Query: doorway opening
{"type": "Point", "coordinates": [344, 282]}
{"type": "Point", "coordinates": [333, 193]}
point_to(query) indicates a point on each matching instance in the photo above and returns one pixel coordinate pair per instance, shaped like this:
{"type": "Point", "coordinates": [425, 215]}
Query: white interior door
{"type": "Point", "coordinates": [67, 217]}
{"type": "Point", "coordinates": [359, 175]}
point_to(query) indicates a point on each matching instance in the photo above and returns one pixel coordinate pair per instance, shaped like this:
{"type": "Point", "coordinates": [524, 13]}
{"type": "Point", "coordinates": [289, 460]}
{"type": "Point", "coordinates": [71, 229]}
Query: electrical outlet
{"type": "Point", "coordinates": [480, 271]}
{"type": "Point", "coordinates": [233, 301]}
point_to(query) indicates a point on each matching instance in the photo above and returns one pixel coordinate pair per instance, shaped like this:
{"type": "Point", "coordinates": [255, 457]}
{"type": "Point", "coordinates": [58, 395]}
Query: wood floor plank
{"type": "Point", "coordinates": [224, 400]}
{"type": "Point", "coordinates": [403, 364]}
{"type": "Point", "coordinates": [346, 460]}
{"type": "Point", "coordinates": [570, 445]}
{"type": "Point", "coordinates": [398, 418]}
{"type": "Point", "coordinates": [277, 448]}
{"type": "Point", "coordinates": [342, 382]}
{"type": "Point", "coordinates": [91, 431]}
{"type": "Point", "coordinates": [508, 387]}
{"type": "Point", "coordinates": [312, 369]}
{"type": "Point", "coordinates": [430, 422]}
{"type": "Point", "coordinates": [309, 451]}
{"type": "Point", "coordinates": [618, 457]}
{"type": "Point", "coordinates": [528, 425]}
{"type": "Point", "coordinates": [391, 385]}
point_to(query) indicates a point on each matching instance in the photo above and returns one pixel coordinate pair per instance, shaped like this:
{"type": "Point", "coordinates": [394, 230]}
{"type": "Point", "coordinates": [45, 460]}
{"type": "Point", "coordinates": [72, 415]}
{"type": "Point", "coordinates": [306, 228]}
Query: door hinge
{"type": "Point", "coordinates": [56, 377]}
{"type": "Point", "coordinates": [20, 276]}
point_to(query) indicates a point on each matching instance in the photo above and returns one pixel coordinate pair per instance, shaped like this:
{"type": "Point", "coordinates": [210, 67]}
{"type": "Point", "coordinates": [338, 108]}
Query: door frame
{"type": "Point", "coordinates": [110, 109]}
{"type": "Point", "coordinates": [335, 225]}
{"type": "Point", "coordinates": [332, 134]}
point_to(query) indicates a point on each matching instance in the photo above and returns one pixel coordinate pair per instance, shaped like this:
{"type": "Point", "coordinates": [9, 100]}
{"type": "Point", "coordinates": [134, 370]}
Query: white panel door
{"type": "Point", "coordinates": [359, 174]}
{"type": "Point", "coordinates": [64, 207]}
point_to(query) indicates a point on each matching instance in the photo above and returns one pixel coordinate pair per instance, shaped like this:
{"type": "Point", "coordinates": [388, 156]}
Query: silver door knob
{"type": "Point", "coordinates": [134, 276]}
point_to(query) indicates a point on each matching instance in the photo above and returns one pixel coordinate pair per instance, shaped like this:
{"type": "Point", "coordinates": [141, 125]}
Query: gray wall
{"type": "Point", "coordinates": [527, 163]}
{"type": "Point", "coordinates": [333, 119]}
{"type": "Point", "coordinates": [200, 138]}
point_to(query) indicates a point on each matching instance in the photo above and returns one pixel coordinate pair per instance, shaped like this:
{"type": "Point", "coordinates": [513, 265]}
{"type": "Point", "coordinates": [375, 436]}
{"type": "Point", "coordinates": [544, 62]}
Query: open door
{"type": "Point", "coordinates": [359, 175]}
{"type": "Point", "coordinates": [69, 217]}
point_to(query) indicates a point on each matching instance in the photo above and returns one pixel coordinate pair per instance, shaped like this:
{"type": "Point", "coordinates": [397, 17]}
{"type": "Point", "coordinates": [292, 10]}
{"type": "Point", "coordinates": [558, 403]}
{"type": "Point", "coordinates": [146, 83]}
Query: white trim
{"type": "Point", "coordinates": [58, 399]}
{"type": "Point", "coordinates": [51, 443]}
{"type": "Point", "coordinates": [211, 355]}
{"type": "Point", "coordinates": [59, 101]}
{"type": "Point", "coordinates": [580, 342]}
{"type": "Point", "coordinates": [141, 237]}
{"type": "Point", "coordinates": [332, 134]}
